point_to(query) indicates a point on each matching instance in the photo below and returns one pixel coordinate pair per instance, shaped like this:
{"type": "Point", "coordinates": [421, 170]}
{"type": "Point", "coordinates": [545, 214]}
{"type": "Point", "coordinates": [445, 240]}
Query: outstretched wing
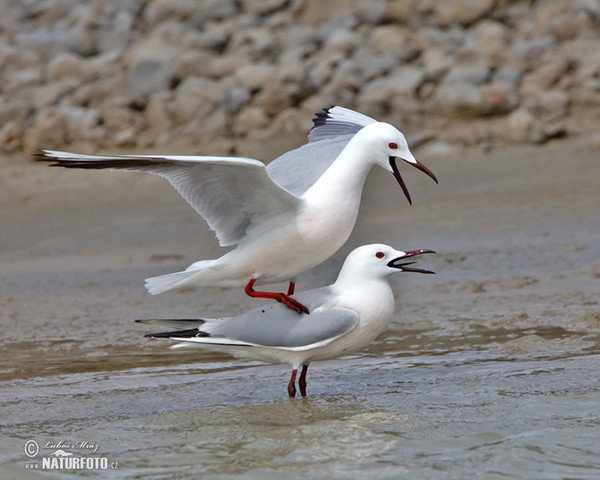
{"type": "Point", "coordinates": [232, 194]}
{"type": "Point", "coordinates": [298, 169]}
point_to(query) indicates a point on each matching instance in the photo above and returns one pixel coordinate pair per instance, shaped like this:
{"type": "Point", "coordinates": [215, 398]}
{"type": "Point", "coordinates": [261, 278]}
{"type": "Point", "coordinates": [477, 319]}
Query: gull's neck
{"type": "Point", "coordinates": [363, 294]}
{"type": "Point", "coordinates": [343, 181]}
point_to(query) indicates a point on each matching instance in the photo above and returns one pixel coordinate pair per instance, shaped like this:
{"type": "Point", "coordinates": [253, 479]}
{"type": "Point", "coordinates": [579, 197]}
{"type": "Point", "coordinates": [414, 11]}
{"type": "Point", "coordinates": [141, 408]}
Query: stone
{"type": "Point", "coordinates": [468, 67]}
{"type": "Point", "coordinates": [547, 74]}
{"type": "Point", "coordinates": [464, 12]}
{"type": "Point", "coordinates": [342, 41]}
{"type": "Point", "coordinates": [48, 131]}
{"type": "Point", "coordinates": [370, 12]}
{"type": "Point", "coordinates": [234, 99]}
{"type": "Point", "coordinates": [489, 38]}
{"type": "Point", "coordinates": [12, 135]}
{"type": "Point", "coordinates": [67, 65]}
{"type": "Point", "coordinates": [533, 49]}
{"type": "Point", "coordinates": [254, 76]}
{"type": "Point", "coordinates": [273, 99]}
{"type": "Point", "coordinates": [51, 93]}
{"type": "Point", "coordinates": [393, 40]}
{"type": "Point", "coordinates": [398, 11]}
{"type": "Point", "coordinates": [523, 127]}
{"type": "Point", "coordinates": [249, 119]}
{"type": "Point", "coordinates": [551, 104]}
{"type": "Point", "coordinates": [196, 98]}
{"type": "Point", "coordinates": [436, 62]}
{"type": "Point", "coordinates": [263, 7]}
{"type": "Point", "coordinates": [157, 114]}
{"type": "Point", "coordinates": [192, 64]}
{"type": "Point", "coordinates": [149, 66]}
{"type": "Point", "coordinates": [472, 100]}
{"type": "Point", "coordinates": [317, 12]}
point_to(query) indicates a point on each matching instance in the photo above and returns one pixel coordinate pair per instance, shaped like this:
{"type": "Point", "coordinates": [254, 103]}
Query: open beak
{"type": "Point", "coordinates": [404, 266]}
{"type": "Point", "coordinates": [396, 174]}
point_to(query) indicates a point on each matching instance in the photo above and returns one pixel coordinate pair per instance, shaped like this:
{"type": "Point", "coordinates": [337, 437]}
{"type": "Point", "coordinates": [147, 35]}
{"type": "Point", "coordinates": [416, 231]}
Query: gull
{"type": "Point", "coordinates": [284, 218]}
{"type": "Point", "coordinates": [346, 316]}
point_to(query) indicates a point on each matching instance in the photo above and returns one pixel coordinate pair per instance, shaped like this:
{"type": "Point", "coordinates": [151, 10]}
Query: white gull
{"type": "Point", "coordinates": [285, 218]}
{"type": "Point", "coordinates": [345, 316]}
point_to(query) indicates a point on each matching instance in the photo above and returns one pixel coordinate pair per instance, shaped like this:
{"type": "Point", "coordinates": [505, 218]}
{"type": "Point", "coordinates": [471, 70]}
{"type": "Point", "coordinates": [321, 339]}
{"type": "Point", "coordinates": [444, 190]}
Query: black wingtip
{"type": "Point", "coordinates": [321, 117]}
{"type": "Point", "coordinates": [41, 156]}
{"type": "Point", "coordinates": [192, 332]}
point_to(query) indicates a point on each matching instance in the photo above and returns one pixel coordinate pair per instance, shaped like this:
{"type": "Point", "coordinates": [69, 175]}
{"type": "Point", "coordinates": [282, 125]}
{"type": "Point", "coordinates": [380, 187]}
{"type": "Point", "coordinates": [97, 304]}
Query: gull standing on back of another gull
{"type": "Point", "coordinates": [285, 218]}
{"type": "Point", "coordinates": [346, 316]}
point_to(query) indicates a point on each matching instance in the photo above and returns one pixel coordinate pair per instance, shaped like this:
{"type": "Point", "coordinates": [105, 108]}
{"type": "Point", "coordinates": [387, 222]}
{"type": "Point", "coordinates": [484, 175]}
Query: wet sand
{"type": "Point", "coordinates": [490, 366]}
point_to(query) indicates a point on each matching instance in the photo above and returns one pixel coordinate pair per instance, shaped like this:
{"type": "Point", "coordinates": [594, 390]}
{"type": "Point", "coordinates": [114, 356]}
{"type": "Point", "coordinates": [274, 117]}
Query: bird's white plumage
{"type": "Point", "coordinates": [285, 218]}
{"type": "Point", "coordinates": [345, 316]}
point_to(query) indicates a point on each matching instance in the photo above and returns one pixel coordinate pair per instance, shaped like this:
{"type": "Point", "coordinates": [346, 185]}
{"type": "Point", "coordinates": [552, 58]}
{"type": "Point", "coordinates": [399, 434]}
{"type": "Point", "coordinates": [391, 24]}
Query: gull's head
{"type": "Point", "coordinates": [388, 145]}
{"type": "Point", "coordinates": [379, 261]}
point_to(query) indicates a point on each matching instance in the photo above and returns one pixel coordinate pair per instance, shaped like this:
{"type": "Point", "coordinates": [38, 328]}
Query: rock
{"type": "Point", "coordinates": [472, 100]}
{"type": "Point", "coordinates": [254, 76]}
{"type": "Point", "coordinates": [523, 127]}
{"type": "Point", "coordinates": [150, 67]}
{"type": "Point", "coordinates": [436, 63]}
{"type": "Point", "coordinates": [396, 92]}
{"type": "Point", "coordinates": [48, 131]}
{"type": "Point", "coordinates": [393, 40]}
{"type": "Point", "coordinates": [119, 118]}
{"type": "Point", "coordinates": [547, 74]}
{"type": "Point", "coordinates": [472, 69]}
{"type": "Point", "coordinates": [192, 64]}
{"type": "Point", "coordinates": [157, 114]}
{"type": "Point", "coordinates": [370, 12]}
{"type": "Point", "coordinates": [342, 41]}
{"type": "Point", "coordinates": [158, 11]}
{"type": "Point", "coordinates": [551, 104]}
{"type": "Point", "coordinates": [263, 7]}
{"type": "Point", "coordinates": [67, 65]}
{"type": "Point", "coordinates": [317, 12]}
{"type": "Point", "coordinates": [196, 98]}
{"type": "Point", "coordinates": [235, 98]}
{"type": "Point", "coordinates": [398, 11]}
{"type": "Point", "coordinates": [250, 119]}
{"type": "Point", "coordinates": [273, 99]}
{"type": "Point", "coordinates": [533, 49]}
{"type": "Point", "coordinates": [464, 12]}
{"type": "Point", "coordinates": [51, 93]}
{"type": "Point", "coordinates": [12, 135]}
{"type": "Point", "coordinates": [489, 38]}
{"type": "Point", "coordinates": [118, 36]}
{"type": "Point", "coordinates": [20, 111]}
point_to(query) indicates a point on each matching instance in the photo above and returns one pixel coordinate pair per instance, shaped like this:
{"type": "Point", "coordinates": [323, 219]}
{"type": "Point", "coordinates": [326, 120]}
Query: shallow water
{"type": "Point", "coordinates": [489, 370]}
{"type": "Point", "coordinates": [414, 406]}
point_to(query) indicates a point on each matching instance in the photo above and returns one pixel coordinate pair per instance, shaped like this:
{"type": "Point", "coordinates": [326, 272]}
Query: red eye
{"type": "Point", "coordinates": [380, 254]}
{"type": "Point", "coordinates": [393, 145]}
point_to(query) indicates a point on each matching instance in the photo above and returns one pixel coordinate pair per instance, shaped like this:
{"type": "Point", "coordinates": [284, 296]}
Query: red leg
{"type": "Point", "coordinates": [291, 288]}
{"type": "Point", "coordinates": [291, 385]}
{"type": "Point", "coordinates": [280, 297]}
{"type": "Point", "coordinates": [302, 380]}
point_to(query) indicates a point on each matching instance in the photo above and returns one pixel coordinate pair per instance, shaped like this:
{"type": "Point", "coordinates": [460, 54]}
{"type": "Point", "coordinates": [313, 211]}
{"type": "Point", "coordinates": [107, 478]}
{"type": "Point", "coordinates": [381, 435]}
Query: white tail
{"type": "Point", "coordinates": [163, 283]}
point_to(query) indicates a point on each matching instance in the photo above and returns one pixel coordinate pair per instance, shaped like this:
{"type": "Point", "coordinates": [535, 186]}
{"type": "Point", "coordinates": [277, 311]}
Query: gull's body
{"type": "Point", "coordinates": [345, 316]}
{"type": "Point", "coordinates": [285, 218]}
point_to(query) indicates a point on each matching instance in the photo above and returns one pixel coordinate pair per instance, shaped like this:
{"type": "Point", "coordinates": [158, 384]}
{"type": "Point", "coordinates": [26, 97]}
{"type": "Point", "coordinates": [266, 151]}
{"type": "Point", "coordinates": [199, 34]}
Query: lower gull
{"type": "Point", "coordinates": [345, 316]}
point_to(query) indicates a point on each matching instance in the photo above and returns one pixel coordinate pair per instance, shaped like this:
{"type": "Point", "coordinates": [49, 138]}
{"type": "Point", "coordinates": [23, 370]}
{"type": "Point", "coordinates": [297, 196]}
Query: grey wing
{"type": "Point", "coordinates": [277, 326]}
{"type": "Point", "coordinates": [232, 194]}
{"type": "Point", "coordinates": [298, 169]}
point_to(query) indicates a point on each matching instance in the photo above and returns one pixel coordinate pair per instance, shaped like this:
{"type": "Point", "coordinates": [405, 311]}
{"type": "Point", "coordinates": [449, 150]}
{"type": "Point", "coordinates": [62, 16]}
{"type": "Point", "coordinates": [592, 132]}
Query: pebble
{"type": "Point", "coordinates": [214, 73]}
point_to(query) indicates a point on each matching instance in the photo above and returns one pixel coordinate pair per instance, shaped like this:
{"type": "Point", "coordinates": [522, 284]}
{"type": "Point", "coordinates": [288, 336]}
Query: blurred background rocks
{"type": "Point", "coordinates": [212, 76]}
